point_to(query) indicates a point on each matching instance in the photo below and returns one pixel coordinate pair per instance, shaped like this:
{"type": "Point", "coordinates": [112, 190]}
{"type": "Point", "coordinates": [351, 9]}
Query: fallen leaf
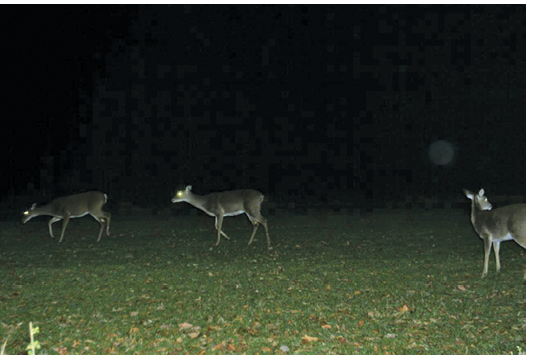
{"type": "Point", "coordinates": [328, 288]}
{"type": "Point", "coordinates": [267, 350]}
{"type": "Point", "coordinates": [361, 323]}
{"type": "Point", "coordinates": [185, 325]}
{"type": "Point", "coordinates": [326, 326]}
{"type": "Point", "coordinates": [193, 335]}
{"type": "Point", "coordinates": [62, 350]}
{"type": "Point", "coordinates": [219, 346]}
{"type": "Point", "coordinates": [284, 348]}
{"type": "Point", "coordinates": [462, 288]}
{"type": "Point", "coordinates": [403, 309]}
{"type": "Point", "coordinates": [306, 339]}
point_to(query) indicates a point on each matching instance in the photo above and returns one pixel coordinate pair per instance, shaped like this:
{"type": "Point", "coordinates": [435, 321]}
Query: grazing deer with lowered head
{"type": "Point", "coordinates": [73, 206]}
{"type": "Point", "coordinates": [494, 226]}
{"type": "Point", "coordinates": [228, 203]}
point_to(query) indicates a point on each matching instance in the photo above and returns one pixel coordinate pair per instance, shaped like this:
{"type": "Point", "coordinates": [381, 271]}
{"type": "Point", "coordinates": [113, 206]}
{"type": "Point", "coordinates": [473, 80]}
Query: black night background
{"type": "Point", "coordinates": [360, 124]}
{"type": "Point", "coordinates": [312, 105]}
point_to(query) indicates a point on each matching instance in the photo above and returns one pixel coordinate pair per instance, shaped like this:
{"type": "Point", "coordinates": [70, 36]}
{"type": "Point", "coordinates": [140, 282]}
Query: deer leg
{"type": "Point", "coordinates": [255, 225]}
{"type": "Point", "coordinates": [264, 223]}
{"type": "Point", "coordinates": [102, 226]}
{"type": "Point", "coordinates": [107, 218]}
{"type": "Point", "coordinates": [102, 222]}
{"type": "Point", "coordinates": [64, 225]}
{"type": "Point", "coordinates": [523, 243]}
{"type": "Point", "coordinates": [496, 249]}
{"type": "Point", "coordinates": [487, 252]}
{"type": "Point", "coordinates": [53, 220]}
{"type": "Point", "coordinates": [218, 226]}
{"type": "Point", "coordinates": [256, 222]}
{"type": "Point", "coordinates": [221, 232]}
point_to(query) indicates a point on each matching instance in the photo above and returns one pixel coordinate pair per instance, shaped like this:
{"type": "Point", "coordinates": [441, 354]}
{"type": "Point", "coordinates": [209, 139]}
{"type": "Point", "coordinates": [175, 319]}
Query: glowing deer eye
{"type": "Point", "coordinates": [180, 193]}
{"type": "Point", "coordinates": [26, 212]}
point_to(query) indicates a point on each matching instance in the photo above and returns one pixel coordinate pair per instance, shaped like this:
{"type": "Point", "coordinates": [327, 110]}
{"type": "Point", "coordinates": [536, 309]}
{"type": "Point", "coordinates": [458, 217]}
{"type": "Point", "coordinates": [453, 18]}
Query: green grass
{"type": "Point", "coordinates": [387, 282]}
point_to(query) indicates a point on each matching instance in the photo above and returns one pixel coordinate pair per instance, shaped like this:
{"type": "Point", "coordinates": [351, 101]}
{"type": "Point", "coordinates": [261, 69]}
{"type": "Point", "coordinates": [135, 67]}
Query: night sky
{"type": "Point", "coordinates": [312, 105]}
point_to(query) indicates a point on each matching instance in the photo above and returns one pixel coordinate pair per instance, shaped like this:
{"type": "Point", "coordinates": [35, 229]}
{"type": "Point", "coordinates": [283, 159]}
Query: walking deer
{"type": "Point", "coordinates": [73, 206]}
{"type": "Point", "coordinates": [228, 203]}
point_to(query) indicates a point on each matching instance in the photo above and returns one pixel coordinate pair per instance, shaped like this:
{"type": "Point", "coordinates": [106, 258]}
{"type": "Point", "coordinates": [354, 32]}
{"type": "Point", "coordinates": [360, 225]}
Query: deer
{"type": "Point", "coordinates": [494, 226]}
{"type": "Point", "coordinates": [228, 203]}
{"type": "Point", "coordinates": [73, 206]}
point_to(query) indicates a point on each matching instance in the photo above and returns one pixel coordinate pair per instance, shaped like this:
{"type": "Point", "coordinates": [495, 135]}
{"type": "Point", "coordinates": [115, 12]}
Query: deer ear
{"type": "Point", "coordinates": [33, 206]}
{"type": "Point", "coordinates": [481, 192]}
{"type": "Point", "coordinates": [468, 193]}
{"type": "Point", "coordinates": [188, 187]}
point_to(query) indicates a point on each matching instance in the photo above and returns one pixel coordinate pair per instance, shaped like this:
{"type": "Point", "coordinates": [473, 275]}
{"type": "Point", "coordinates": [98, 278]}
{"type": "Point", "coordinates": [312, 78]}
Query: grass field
{"type": "Point", "coordinates": [337, 282]}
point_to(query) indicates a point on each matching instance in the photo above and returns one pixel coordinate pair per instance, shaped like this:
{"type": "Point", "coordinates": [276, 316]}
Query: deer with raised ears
{"type": "Point", "coordinates": [73, 206]}
{"type": "Point", "coordinates": [228, 203]}
{"type": "Point", "coordinates": [494, 226]}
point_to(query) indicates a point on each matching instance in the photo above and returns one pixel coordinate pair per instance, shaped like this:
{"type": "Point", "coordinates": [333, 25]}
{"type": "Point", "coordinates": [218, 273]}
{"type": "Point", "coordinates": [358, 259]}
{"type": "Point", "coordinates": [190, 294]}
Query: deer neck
{"type": "Point", "coordinates": [42, 210]}
{"type": "Point", "coordinates": [200, 202]}
{"type": "Point", "coordinates": [477, 216]}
